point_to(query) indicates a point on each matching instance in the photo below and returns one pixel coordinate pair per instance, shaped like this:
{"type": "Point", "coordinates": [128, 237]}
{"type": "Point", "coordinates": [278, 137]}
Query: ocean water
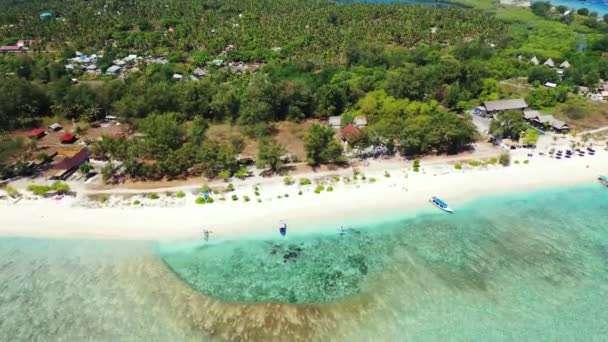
{"type": "Point", "coordinates": [524, 267]}
{"type": "Point", "coordinates": [599, 6]}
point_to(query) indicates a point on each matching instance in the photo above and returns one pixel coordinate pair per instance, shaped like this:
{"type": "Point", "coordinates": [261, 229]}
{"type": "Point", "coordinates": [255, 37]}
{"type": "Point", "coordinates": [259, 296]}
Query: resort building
{"type": "Point", "coordinates": [543, 122]}
{"type": "Point", "coordinates": [495, 107]}
{"type": "Point", "coordinates": [549, 62]}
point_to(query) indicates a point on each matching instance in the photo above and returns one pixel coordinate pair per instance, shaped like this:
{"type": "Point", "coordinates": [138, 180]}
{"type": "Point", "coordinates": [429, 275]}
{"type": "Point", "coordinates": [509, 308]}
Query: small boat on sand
{"type": "Point", "coordinates": [440, 204]}
{"type": "Point", "coordinates": [603, 180]}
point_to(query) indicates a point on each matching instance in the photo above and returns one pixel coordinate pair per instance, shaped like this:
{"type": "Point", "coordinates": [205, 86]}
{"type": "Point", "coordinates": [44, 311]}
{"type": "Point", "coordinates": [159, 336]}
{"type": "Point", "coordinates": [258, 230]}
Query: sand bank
{"type": "Point", "coordinates": [404, 191]}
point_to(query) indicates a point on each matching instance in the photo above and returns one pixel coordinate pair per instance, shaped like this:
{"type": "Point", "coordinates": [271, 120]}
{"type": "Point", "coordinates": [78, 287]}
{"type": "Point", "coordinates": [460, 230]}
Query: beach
{"type": "Point", "coordinates": [403, 191]}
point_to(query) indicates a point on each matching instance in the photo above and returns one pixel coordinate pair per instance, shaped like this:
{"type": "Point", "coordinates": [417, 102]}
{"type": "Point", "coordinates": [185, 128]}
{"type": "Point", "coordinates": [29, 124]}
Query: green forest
{"type": "Point", "coordinates": [411, 70]}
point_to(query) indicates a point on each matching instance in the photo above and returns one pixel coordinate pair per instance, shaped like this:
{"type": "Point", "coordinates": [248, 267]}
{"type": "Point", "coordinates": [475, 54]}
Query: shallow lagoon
{"type": "Point", "coordinates": [519, 267]}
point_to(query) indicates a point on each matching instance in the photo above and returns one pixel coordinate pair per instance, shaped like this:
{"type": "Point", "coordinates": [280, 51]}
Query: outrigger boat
{"type": "Point", "coordinates": [441, 204]}
{"type": "Point", "coordinates": [603, 180]}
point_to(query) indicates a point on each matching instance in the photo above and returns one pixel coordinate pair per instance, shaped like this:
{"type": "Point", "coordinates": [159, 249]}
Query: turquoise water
{"type": "Point", "coordinates": [511, 268]}
{"type": "Point", "coordinates": [599, 6]}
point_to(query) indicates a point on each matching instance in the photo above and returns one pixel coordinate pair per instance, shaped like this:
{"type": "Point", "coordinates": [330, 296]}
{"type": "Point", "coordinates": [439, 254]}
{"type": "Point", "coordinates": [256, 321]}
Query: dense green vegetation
{"type": "Point", "coordinates": [409, 69]}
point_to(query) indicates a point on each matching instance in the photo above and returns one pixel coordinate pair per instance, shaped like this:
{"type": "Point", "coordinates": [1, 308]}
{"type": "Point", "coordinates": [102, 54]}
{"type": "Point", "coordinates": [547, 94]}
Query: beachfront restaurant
{"type": "Point", "coordinates": [69, 165]}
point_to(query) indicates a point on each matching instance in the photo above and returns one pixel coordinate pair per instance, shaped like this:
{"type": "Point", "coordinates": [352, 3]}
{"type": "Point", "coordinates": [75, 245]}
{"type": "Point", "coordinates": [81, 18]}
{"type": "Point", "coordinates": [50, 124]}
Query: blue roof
{"type": "Point", "coordinates": [46, 14]}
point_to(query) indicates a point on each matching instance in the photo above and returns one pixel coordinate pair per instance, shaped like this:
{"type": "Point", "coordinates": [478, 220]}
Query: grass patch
{"type": "Point", "coordinates": [319, 188]}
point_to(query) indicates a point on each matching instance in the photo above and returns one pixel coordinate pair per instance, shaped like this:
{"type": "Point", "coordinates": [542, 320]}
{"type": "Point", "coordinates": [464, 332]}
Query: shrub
{"type": "Point", "coordinates": [205, 188]}
{"type": "Point", "coordinates": [474, 163]}
{"type": "Point", "coordinates": [417, 163]}
{"type": "Point", "coordinates": [60, 187]}
{"type": "Point", "coordinates": [257, 193]}
{"type": "Point", "coordinates": [526, 161]}
{"type": "Point", "coordinates": [330, 188]}
{"type": "Point", "coordinates": [10, 191]}
{"type": "Point", "coordinates": [153, 196]}
{"type": "Point", "coordinates": [372, 180]}
{"type": "Point", "coordinates": [300, 192]}
{"type": "Point", "coordinates": [235, 198]}
{"type": "Point", "coordinates": [363, 176]}
{"type": "Point", "coordinates": [103, 199]}
{"type": "Point", "coordinates": [386, 174]}
{"type": "Point", "coordinates": [210, 200]}
{"type": "Point", "coordinates": [180, 194]}
{"type": "Point", "coordinates": [168, 193]}
{"type": "Point", "coordinates": [458, 166]}
{"type": "Point", "coordinates": [319, 188]}
{"type": "Point", "coordinates": [242, 173]}
{"type": "Point", "coordinates": [288, 180]}
{"type": "Point", "coordinates": [305, 181]}
{"type": "Point", "coordinates": [286, 195]}
{"type": "Point", "coordinates": [246, 198]}
{"type": "Point", "coordinates": [279, 196]}
{"type": "Point", "coordinates": [199, 200]}
{"type": "Point", "coordinates": [346, 180]}
{"type": "Point", "coordinates": [38, 189]}
{"type": "Point", "coordinates": [259, 200]}
{"type": "Point", "coordinates": [516, 162]}
{"type": "Point", "coordinates": [224, 175]}
{"type": "Point", "coordinates": [136, 202]}
{"type": "Point", "coordinates": [505, 159]}
{"type": "Point", "coordinates": [492, 161]}
{"type": "Point", "coordinates": [230, 187]}
{"type": "Point", "coordinates": [336, 179]}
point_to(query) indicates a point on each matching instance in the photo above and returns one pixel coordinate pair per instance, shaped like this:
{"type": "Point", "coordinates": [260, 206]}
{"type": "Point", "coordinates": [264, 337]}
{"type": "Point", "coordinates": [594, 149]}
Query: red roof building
{"type": "Point", "coordinates": [35, 133]}
{"type": "Point", "coordinates": [350, 133]}
{"type": "Point", "coordinates": [67, 138]}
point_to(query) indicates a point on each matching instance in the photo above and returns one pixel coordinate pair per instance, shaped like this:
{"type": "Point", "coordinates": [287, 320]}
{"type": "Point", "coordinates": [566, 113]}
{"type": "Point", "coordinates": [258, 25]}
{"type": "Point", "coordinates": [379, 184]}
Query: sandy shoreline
{"type": "Point", "coordinates": [404, 191]}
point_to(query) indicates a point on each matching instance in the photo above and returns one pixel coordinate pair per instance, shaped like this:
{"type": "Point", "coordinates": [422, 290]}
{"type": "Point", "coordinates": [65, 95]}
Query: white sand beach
{"type": "Point", "coordinates": [404, 190]}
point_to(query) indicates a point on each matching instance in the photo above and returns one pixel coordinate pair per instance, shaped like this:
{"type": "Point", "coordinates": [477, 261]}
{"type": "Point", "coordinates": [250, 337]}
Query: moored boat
{"type": "Point", "coordinates": [603, 180]}
{"type": "Point", "coordinates": [441, 204]}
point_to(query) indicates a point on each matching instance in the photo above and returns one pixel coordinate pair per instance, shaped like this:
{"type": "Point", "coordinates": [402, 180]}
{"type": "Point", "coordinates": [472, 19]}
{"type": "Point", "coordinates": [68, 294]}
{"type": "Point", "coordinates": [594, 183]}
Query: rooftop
{"type": "Point", "coordinates": [499, 105]}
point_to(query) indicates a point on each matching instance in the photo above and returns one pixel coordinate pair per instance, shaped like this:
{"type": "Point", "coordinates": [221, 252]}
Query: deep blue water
{"type": "Point", "coordinates": [528, 267]}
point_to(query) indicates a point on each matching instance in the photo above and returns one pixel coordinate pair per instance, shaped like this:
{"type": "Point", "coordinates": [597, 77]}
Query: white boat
{"type": "Point", "coordinates": [440, 204]}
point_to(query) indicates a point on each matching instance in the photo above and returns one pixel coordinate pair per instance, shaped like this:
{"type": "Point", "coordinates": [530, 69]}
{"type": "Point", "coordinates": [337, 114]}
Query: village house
{"type": "Point", "coordinates": [549, 62]}
{"type": "Point", "coordinates": [9, 48]}
{"type": "Point", "coordinates": [67, 138]}
{"type": "Point", "coordinates": [36, 133]}
{"type": "Point", "coordinates": [113, 70]}
{"type": "Point", "coordinates": [350, 133]}
{"type": "Point", "coordinates": [360, 121]}
{"type": "Point", "coordinates": [198, 73]}
{"type": "Point", "coordinates": [334, 122]}
{"type": "Point", "coordinates": [55, 127]}
{"type": "Point", "coordinates": [534, 60]}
